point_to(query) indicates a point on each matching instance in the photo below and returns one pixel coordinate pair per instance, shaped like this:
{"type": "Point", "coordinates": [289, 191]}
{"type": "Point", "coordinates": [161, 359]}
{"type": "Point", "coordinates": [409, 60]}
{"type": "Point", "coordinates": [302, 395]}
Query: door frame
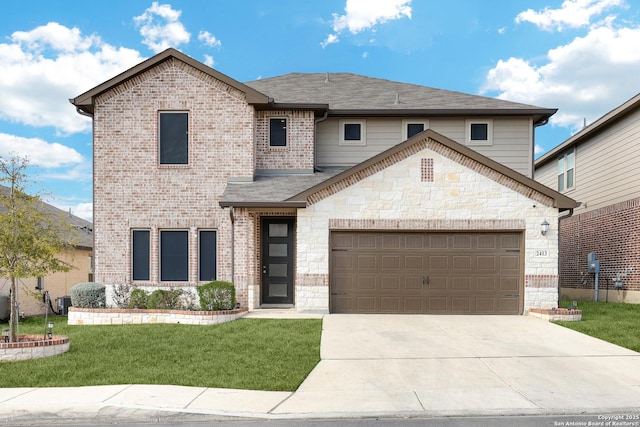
{"type": "Point", "coordinates": [289, 300]}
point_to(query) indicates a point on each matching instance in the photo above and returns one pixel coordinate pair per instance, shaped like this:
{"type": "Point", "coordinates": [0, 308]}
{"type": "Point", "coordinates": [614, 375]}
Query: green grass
{"type": "Point", "coordinates": [612, 322]}
{"type": "Point", "coordinates": [253, 354]}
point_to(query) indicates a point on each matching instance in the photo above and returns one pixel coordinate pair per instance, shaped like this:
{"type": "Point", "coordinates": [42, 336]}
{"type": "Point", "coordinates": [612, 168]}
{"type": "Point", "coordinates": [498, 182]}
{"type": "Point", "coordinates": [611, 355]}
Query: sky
{"type": "Point", "coordinates": [579, 56]}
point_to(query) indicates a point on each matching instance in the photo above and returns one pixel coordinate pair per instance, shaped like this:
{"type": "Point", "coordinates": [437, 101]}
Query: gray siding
{"type": "Point", "coordinates": [512, 141]}
{"type": "Point", "coordinates": [606, 166]}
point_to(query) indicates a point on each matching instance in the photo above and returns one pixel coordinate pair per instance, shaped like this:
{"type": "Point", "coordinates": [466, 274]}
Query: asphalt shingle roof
{"type": "Point", "coordinates": [346, 91]}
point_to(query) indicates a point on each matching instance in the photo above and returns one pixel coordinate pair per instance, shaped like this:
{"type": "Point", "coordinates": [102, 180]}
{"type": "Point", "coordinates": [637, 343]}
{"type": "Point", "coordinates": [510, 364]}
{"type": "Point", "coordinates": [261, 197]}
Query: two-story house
{"type": "Point", "coordinates": [597, 166]}
{"type": "Point", "coordinates": [325, 192]}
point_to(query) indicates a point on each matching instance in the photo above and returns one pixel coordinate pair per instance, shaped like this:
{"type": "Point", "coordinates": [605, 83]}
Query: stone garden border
{"type": "Point", "coordinates": [33, 347]}
{"type": "Point", "coordinates": [119, 316]}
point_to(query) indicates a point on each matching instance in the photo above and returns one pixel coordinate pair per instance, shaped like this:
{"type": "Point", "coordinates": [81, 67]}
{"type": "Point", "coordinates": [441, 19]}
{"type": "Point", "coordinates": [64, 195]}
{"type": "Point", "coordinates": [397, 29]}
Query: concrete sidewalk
{"type": "Point", "coordinates": [379, 365]}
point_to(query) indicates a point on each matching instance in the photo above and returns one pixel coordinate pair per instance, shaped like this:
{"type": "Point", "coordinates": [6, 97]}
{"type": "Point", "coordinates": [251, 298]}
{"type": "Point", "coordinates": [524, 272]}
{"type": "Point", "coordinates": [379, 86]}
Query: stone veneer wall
{"type": "Point", "coordinates": [114, 316]}
{"type": "Point", "coordinates": [33, 347]}
{"type": "Point", "coordinates": [133, 191]}
{"type": "Point", "coordinates": [394, 196]}
{"type": "Point", "coordinates": [612, 233]}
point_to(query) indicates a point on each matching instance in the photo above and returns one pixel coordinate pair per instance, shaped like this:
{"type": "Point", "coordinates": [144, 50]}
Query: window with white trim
{"type": "Point", "coordinates": [277, 131]}
{"type": "Point", "coordinates": [174, 255]}
{"type": "Point", "coordinates": [353, 132]}
{"type": "Point", "coordinates": [173, 137]}
{"type": "Point", "coordinates": [479, 132]}
{"type": "Point", "coordinates": [413, 127]}
{"type": "Point", "coordinates": [566, 170]}
{"type": "Point", "coordinates": [207, 255]}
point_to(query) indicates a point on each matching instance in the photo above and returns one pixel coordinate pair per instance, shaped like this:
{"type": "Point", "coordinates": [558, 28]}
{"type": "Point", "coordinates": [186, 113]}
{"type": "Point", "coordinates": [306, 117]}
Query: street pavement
{"type": "Point", "coordinates": [385, 365]}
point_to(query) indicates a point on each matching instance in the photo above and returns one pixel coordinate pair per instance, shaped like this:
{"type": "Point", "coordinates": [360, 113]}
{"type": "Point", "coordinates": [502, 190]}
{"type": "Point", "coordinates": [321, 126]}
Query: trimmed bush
{"type": "Point", "coordinates": [161, 299]}
{"type": "Point", "coordinates": [138, 298]}
{"type": "Point", "coordinates": [88, 295]}
{"type": "Point", "coordinates": [217, 295]}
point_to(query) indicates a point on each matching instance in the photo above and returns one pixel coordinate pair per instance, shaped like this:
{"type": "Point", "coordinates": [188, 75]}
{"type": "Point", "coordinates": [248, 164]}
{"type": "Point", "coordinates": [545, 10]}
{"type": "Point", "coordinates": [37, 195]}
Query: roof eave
{"type": "Point", "coordinates": [86, 100]}
{"type": "Point", "coordinates": [539, 115]}
{"type": "Point", "coordinates": [263, 204]}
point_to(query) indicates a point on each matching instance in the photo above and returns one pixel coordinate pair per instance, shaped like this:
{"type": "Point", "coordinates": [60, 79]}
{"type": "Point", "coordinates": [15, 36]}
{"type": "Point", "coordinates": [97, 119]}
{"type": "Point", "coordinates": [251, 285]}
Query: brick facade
{"type": "Point", "coordinates": [610, 232]}
{"type": "Point", "coordinates": [132, 191]}
{"type": "Point", "coordinates": [298, 153]}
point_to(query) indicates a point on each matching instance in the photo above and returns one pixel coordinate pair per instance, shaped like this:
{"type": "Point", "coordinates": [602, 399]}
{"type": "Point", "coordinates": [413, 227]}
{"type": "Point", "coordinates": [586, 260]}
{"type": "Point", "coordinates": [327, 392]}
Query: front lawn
{"type": "Point", "coordinates": [252, 354]}
{"type": "Point", "coordinates": [613, 322]}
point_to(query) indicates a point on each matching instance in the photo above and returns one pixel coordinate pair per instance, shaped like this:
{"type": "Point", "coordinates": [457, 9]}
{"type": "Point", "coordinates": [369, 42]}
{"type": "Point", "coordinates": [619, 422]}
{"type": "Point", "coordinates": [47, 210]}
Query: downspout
{"type": "Point", "coordinates": [560, 219]}
{"type": "Point", "coordinates": [233, 244]}
{"type": "Point", "coordinates": [533, 152]}
{"type": "Point", "coordinates": [315, 141]}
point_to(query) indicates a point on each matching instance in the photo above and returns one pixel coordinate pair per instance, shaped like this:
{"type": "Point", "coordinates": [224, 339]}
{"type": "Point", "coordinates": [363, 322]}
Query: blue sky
{"type": "Point", "coordinates": [580, 56]}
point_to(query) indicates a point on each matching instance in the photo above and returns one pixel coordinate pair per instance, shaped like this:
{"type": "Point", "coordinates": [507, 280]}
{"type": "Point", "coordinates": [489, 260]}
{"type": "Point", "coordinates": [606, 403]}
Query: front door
{"type": "Point", "coordinates": [277, 260]}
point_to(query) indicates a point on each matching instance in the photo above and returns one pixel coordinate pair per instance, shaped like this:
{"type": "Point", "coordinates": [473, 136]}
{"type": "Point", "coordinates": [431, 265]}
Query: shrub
{"type": "Point", "coordinates": [217, 295]}
{"type": "Point", "coordinates": [138, 298]}
{"type": "Point", "coordinates": [165, 300]}
{"type": "Point", "coordinates": [88, 295]}
{"type": "Point", "coordinates": [189, 300]}
{"type": "Point", "coordinates": [122, 295]}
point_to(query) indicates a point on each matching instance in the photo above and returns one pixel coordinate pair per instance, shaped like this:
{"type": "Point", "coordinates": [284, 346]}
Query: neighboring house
{"type": "Point", "coordinates": [324, 192]}
{"type": "Point", "coordinates": [59, 284]}
{"type": "Point", "coordinates": [598, 166]}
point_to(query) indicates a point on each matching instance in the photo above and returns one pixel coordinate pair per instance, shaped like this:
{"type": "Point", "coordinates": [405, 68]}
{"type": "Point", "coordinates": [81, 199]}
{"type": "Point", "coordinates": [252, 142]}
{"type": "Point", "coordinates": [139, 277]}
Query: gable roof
{"type": "Point", "coordinates": [609, 119]}
{"type": "Point", "coordinates": [280, 189]}
{"type": "Point", "coordinates": [85, 102]}
{"type": "Point", "coordinates": [83, 238]}
{"type": "Point", "coordinates": [352, 94]}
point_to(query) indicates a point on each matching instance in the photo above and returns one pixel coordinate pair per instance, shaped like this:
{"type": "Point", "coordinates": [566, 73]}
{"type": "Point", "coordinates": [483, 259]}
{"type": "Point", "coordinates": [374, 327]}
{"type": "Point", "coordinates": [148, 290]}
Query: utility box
{"type": "Point", "coordinates": [63, 305]}
{"type": "Point", "coordinates": [593, 265]}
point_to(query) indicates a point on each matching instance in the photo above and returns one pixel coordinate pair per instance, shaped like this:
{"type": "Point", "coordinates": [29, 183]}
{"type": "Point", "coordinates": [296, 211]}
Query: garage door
{"type": "Point", "coordinates": [430, 273]}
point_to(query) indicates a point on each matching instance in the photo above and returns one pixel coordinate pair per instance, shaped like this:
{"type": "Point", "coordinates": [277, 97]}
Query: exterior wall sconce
{"type": "Point", "coordinates": [50, 333]}
{"type": "Point", "coordinates": [544, 227]}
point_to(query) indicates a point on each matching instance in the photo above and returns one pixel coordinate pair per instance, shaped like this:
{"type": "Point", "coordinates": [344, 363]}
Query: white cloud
{"type": "Point", "coordinates": [208, 60]}
{"type": "Point", "coordinates": [361, 15]}
{"type": "Point", "coordinates": [39, 152]}
{"type": "Point", "coordinates": [571, 14]}
{"type": "Point", "coordinates": [584, 78]}
{"type": "Point", "coordinates": [538, 149]}
{"type": "Point", "coordinates": [42, 68]}
{"type": "Point", "coordinates": [209, 39]}
{"type": "Point", "coordinates": [161, 28]}
{"type": "Point", "coordinates": [83, 210]}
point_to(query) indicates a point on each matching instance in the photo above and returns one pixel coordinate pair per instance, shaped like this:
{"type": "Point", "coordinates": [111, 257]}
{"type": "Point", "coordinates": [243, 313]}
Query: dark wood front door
{"type": "Point", "coordinates": [277, 260]}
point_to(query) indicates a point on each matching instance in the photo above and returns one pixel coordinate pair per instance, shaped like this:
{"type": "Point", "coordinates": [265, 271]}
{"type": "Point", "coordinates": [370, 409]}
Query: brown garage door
{"type": "Point", "coordinates": [407, 272]}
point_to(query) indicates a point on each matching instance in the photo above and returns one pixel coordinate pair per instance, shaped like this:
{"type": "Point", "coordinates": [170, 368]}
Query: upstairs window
{"type": "Point", "coordinates": [566, 170]}
{"type": "Point", "coordinates": [413, 127]}
{"type": "Point", "coordinates": [353, 132]}
{"type": "Point", "coordinates": [479, 132]}
{"type": "Point", "coordinates": [173, 138]}
{"type": "Point", "coordinates": [278, 132]}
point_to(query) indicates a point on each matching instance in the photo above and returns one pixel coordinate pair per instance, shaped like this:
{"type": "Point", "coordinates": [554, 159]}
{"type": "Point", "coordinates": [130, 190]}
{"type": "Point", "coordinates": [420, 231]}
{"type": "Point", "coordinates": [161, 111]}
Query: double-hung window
{"type": "Point", "coordinates": [140, 255]}
{"type": "Point", "coordinates": [566, 170]}
{"type": "Point", "coordinates": [173, 137]}
{"type": "Point", "coordinates": [278, 132]}
{"type": "Point", "coordinates": [174, 256]}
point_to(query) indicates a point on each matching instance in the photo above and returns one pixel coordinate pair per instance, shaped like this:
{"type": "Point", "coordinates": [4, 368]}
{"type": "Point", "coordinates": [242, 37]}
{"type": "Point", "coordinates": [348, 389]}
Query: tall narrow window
{"type": "Point", "coordinates": [174, 256]}
{"type": "Point", "coordinates": [278, 132]}
{"type": "Point", "coordinates": [140, 255]}
{"type": "Point", "coordinates": [566, 170]}
{"type": "Point", "coordinates": [207, 255]}
{"type": "Point", "coordinates": [173, 138]}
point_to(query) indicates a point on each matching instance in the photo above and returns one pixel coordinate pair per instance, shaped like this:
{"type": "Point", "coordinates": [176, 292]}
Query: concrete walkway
{"type": "Point", "coordinates": [385, 365]}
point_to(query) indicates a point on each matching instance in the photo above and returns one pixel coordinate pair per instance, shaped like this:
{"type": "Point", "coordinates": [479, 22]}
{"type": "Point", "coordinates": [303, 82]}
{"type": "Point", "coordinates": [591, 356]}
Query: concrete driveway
{"type": "Point", "coordinates": [417, 364]}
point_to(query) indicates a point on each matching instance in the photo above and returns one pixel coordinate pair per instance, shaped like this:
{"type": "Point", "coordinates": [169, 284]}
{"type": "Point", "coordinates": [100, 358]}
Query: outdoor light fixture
{"type": "Point", "coordinates": [544, 227]}
{"type": "Point", "coordinates": [5, 334]}
{"type": "Point", "coordinates": [50, 333]}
